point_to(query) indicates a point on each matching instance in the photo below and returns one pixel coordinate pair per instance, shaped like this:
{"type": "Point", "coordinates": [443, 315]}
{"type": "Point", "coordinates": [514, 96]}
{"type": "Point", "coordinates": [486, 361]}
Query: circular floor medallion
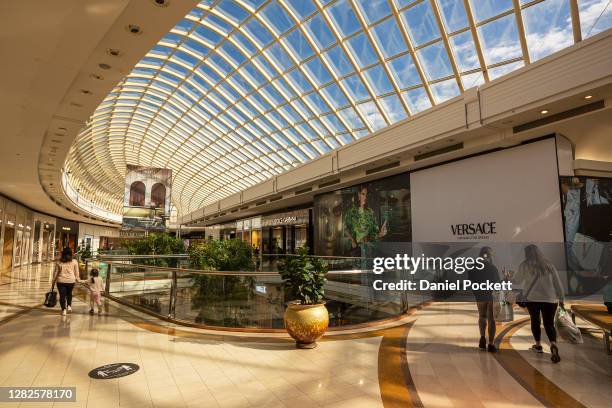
{"type": "Point", "coordinates": [114, 370]}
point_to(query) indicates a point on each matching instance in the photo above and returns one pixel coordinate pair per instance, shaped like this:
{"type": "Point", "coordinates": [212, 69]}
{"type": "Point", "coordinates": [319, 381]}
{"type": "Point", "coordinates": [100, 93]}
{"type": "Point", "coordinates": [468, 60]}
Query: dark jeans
{"type": "Point", "coordinates": [548, 315]}
{"type": "Point", "coordinates": [65, 292]}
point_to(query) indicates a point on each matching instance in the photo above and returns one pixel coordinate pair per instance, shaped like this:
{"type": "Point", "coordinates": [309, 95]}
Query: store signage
{"type": "Point", "coordinates": [115, 370]}
{"type": "Point", "coordinates": [284, 220]}
{"type": "Point", "coordinates": [474, 230]}
{"type": "Point", "coordinates": [288, 218]}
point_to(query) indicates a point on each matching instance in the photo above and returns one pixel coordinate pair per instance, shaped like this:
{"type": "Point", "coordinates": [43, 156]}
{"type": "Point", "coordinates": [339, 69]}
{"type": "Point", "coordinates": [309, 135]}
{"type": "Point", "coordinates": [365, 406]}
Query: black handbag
{"type": "Point", "coordinates": [521, 299]}
{"type": "Point", "coordinates": [51, 297]}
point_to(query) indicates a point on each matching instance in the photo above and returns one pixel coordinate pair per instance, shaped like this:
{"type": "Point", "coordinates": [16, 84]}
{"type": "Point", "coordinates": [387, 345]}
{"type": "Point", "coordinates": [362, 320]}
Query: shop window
{"type": "Point", "coordinates": [137, 194]}
{"type": "Point", "coordinates": [158, 195]}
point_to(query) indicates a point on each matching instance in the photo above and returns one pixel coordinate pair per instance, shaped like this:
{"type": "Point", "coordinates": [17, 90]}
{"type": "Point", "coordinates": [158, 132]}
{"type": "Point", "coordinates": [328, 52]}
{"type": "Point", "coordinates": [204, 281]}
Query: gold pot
{"type": "Point", "coordinates": [306, 323]}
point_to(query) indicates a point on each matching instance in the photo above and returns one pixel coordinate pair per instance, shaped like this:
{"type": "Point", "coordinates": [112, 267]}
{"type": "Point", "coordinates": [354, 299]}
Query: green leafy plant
{"type": "Point", "coordinates": [304, 277]}
{"type": "Point", "coordinates": [156, 244]}
{"type": "Point", "coordinates": [83, 252]}
{"type": "Point", "coordinates": [222, 299]}
{"type": "Point", "coordinates": [226, 255]}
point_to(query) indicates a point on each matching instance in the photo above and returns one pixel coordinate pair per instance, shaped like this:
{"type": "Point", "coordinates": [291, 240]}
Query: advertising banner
{"type": "Point", "coordinates": [147, 198]}
{"type": "Point", "coordinates": [505, 200]}
{"type": "Point", "coordinates": [587, 215]}
{"type": "Point", "coordinates": [354, 221]}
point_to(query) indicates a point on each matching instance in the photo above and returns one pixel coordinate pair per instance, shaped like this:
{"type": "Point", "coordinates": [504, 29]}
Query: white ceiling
{"type": "Point", "coordinates": [50, 52]}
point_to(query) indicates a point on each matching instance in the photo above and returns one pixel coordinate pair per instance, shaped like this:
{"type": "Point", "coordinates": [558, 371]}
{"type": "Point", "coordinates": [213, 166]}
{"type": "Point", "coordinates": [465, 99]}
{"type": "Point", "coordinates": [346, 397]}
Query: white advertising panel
{"type": "Point", "coordinates": [506, 196]}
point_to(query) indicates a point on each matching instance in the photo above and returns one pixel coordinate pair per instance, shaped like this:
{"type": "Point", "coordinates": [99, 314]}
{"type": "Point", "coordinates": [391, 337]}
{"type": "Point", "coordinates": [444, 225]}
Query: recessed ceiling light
{"type": "Point", "coordinates": [113, 52]}
{"type": "Point", "coordinates": [134, 29]}
{"type": "Point", "coordinates": [96, 76]}
{"type": "Point", "coordinates": [104, 66]}
{"type": "Point", "coordinates": [161, 3]}
{"type": "Point", "coordinates": [85, 91]}
{"type": "Point", "coordinates": [588, 96]}
{"type": "Point", "coordinates": [544, 112]}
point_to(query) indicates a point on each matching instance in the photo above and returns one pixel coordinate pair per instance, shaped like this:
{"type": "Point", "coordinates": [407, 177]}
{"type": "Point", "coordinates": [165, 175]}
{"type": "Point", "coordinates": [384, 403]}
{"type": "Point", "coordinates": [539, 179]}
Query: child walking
{"type": "Point", "coordinates": [95, 291]}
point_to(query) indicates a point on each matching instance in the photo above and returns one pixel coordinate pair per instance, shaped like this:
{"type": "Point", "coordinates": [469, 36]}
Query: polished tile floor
{"type": "Point", "coordinates": [428, 360]}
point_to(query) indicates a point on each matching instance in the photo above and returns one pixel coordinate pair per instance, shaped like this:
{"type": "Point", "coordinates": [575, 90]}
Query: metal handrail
{"type": "Point", "coordinates": [219, 273]}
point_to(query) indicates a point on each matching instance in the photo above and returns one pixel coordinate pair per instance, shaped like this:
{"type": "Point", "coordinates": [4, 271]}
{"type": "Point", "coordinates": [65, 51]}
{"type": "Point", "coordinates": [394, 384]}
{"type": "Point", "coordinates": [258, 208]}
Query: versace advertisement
{"type": "Point", "coordinates": [587, 216]}
{"type": "Point", "coordinates": [147, 198]}
{"type": "Point", "coordinates": [354, 221]}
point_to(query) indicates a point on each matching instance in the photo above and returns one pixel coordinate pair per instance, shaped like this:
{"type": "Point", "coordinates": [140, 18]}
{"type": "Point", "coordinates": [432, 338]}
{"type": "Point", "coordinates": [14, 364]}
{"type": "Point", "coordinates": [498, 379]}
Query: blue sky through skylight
{"type": "Point", "coordinates": [251, 88]}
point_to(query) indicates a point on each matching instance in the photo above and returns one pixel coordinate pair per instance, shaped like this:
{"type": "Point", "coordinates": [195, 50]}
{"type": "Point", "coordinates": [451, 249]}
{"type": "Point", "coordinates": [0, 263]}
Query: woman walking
{"type": "Point", "coordinates": [543, 292]}
{"type": "Point", "coordinates": [484, 299]}
{"type": "Point", "coordinates": [66, 275]}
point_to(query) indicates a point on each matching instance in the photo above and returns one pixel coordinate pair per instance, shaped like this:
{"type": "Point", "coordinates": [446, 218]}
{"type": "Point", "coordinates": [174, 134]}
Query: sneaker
{"type": "Point", "coordinates": [537, 349]}
{"type": "Point", "coordinates": [69, 309]}
{"type": "Point", "coordinates": [491, 348]}
{"type": "Point", "coordinates": [482, 344]}
{"type": "Point", "coordinates": [91, 312]}
{"type": "Point", "coordinates": [64, 312]}
{"type": "Point", "coordinates": [554, 351]}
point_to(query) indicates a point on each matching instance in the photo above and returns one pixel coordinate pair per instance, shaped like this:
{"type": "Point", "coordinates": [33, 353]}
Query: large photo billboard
{"type": "Point", "coordinates": [147, 200]}
{"type": "Point", "coordinates": [355, 221]}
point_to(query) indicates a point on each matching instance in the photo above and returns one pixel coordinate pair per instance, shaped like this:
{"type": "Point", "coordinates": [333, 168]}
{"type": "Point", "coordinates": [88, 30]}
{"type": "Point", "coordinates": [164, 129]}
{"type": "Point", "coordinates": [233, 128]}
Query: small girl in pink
{"type": "Point", "coordinates": [95, 291]}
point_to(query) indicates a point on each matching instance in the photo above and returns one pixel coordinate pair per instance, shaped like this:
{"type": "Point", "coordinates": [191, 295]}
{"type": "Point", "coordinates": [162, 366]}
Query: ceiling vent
{"type": "Point", "coordinates": [383, 167]}
{"type": "Point", "coordinates": [260, 203]}
{"type": "Point", "coordinates": [437, 152]}
{"type": "Point", "coordinates": [329, 183]}
{"type": "Point", "coordinates": [276, 198]}
{"type": "Point", "coordinates": [304, 190]}
{"type": "Point", "coordinates": [560, 116]}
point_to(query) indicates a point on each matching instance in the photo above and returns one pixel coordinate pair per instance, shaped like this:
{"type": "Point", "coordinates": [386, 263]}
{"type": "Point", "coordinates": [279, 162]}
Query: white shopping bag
{"type": "Point", "coordinates": [566, 327]}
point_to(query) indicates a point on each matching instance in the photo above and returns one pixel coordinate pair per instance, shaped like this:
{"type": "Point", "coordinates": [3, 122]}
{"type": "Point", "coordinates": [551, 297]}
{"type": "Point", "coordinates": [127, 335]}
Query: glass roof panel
{"type": "Point", "coordinates": [434, 59]}
{"type": "Point", "coordinates": [500, 40]}
{"type": "Point", "coordinates": [344, 18]}
{"type": "Point", "coordinates": [420, 23]}
{"type": "Point", "coordinates": [595, 16]}
{"type": "Point", "coordinates": [241, 90]}
{"type": "Point", "coordinates": [454, 15]}
{"type": "Point", "coordinates": [388, 38]}
{"type": "Point", "coordinates": [548, 27]}
{"type": "Point", "coordinates": [485, 9]}
{"type": "Point", "coordinates": [464, 50]}
{"type": "Point", "coordinates": [374, 10]}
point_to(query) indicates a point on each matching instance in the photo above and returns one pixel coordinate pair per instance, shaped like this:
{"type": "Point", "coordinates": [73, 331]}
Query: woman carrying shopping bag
{"type": "Point", "coordinates": [66, 275]}
{"type": "Point", "coordinates": [542, 293]}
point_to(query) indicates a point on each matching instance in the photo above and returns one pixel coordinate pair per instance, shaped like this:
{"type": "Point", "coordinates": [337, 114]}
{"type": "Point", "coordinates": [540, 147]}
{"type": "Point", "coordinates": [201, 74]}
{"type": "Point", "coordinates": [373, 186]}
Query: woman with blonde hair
{"type": "Point", "coordinates": [542, 292]}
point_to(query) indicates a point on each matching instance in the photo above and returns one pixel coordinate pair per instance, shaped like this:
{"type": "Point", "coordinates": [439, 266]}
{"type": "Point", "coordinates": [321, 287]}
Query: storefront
{"type": "Point", "coordinates": [43, 238]}
{"type": "Point", "coordinates": [9, 219]}
{"type": "Point", "coordinates": [66, 235]}
{"type": "Point", "coordinates": [16, 235]}
{"type": "Point", "coordinates": [283, 233]}
{"type": "Point", "coordinates": [97, 238]}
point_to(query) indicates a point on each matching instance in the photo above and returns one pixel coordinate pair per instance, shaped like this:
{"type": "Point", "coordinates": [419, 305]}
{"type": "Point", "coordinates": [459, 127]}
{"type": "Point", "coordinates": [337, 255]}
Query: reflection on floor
{"type": "Point", "coordinates": [430, 359]}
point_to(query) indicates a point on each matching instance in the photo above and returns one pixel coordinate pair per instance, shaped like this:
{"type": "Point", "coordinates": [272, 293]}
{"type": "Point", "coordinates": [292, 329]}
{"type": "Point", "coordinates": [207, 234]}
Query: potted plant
{"type": "Point", "coordinates": [306, 317]}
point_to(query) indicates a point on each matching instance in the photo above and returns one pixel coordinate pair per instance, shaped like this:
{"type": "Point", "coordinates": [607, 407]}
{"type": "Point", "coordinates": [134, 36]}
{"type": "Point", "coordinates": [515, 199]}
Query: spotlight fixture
{"type": "Point", "coordinates": [113, 52]}
{"type": "Point", "coordinates": [588, 96]}
{"type": "Point", "coordinates": [544, 111]}
{"type": "Point", "coordinates": [104, 66]}
{"type": "Point", "coordinates": [161, 3]}
{"type": "Point", "coordinates": [134, 29]}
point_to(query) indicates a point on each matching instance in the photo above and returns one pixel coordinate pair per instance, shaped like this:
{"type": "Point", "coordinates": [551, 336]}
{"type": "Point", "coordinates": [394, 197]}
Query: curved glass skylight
{"type": "Point", "coordinates": [242, 90]}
